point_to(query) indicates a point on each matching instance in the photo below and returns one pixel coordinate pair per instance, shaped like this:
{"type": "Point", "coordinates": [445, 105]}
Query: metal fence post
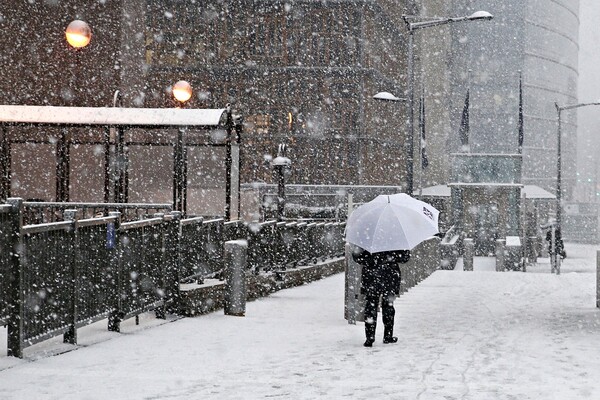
{"type": "Point", "coordinates": [73, 248]}
{"type": "Point", "coordinates": [172, 271]}
{"type": "Point", "coordinates": [16, 312]}
{"type": "Point", "coordinates": [468, 255]}
{"type": "Point", "coordinates": [235, 277]}
{"type": "Point", "coordinates": [115, 314]}
{"type": "Point", "coordinates": [161, 311]}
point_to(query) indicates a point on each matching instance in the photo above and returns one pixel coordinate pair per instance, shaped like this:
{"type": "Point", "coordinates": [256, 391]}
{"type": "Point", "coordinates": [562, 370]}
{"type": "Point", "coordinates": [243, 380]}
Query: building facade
{"type": "Point", "coordinates": [301, 73]}
{"type": "Point", "coordinates": [535, 39]}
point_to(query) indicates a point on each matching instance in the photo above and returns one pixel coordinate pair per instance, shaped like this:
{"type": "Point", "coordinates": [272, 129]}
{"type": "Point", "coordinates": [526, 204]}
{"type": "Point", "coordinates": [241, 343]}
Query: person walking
{"type": "Point", "coordinates": [559, 245]}
{"type": "Point", "coordinates": [380, 280]}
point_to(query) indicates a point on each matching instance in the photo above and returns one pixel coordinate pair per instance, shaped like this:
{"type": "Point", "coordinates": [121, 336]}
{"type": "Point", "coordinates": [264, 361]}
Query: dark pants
{"type": "Point", "coordinates": [387, 311]}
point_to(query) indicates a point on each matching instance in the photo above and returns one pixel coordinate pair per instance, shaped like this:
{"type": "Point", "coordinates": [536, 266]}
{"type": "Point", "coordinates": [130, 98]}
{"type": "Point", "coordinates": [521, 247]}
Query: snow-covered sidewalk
{"type": "Point", "coordinates": [464, 335]}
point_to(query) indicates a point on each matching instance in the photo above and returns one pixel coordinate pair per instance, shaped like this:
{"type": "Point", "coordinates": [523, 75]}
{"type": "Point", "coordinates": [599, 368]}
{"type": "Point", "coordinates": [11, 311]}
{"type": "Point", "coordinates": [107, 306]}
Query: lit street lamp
{"type": "Point", "coordinates": [78, 34]}
{"type": "Point", "coordinates": [182, 92]}
{"type": "Point", "coordinates": [412, 27]}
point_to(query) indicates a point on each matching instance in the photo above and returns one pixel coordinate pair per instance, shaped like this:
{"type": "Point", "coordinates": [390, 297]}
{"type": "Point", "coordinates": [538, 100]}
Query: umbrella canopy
{"type": "Point", "coordinates": [396, 222]}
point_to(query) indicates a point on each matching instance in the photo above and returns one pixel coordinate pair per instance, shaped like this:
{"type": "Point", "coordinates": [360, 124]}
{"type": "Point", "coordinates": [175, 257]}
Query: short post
{"type": "Point", "coordinates": [598, 279]}
{"type": "Point", "coordinates": [553, 255]}
{"type": "Point", "coordinates": [15, 296]}
{"type": "Point", "coordinates": [235, 277]}
{"type": "Point", "coordinates": [350, 204]}
{"type": "Point", "coordinates": [114, 247]}
{"type": "Point", "coordinates": [353, 307]}
{"type": "Point", "coordinates": [499, 255]}
{"type": "Point", "coordinates": [70, 336]}
{"type": "Point", "coordinates": [556, 253]}
{"type": "Point", "coordinates": [469, 254]}
{"type": "Point", "coordinates": [533, 249]}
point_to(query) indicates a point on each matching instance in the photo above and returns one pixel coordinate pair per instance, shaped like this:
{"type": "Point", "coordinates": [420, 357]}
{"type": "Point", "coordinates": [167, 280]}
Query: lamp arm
{"type": "Point", "coordinates": [574, 106]}
{"type": "Point", "coordinates": [413, 26]}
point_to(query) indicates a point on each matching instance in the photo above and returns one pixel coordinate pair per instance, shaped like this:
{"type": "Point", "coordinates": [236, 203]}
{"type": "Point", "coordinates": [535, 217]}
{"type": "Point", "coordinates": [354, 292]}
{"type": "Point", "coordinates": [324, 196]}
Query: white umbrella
{"type": "Point", "coordinates": [395, 222]}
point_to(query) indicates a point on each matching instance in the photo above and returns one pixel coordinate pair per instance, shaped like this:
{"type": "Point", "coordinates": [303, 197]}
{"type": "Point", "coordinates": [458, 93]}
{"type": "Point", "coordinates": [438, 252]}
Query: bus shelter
{"type": "Point", "coordinates": [187, 157]}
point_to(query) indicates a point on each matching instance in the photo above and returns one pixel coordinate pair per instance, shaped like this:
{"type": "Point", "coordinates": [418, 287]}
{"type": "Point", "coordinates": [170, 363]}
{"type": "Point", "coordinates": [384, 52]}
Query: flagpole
{"type": "Point", "coordinates": [521, 133]}
{"type": "Point", "coordinates": [421, 127]}
{"type": "Point", "coordinates": [463, 132]}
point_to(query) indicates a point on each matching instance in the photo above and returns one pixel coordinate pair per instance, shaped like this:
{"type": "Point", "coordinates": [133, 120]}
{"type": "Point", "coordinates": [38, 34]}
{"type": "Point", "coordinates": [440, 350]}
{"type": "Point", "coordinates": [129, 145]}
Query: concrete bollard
{"type": "Point", "coordinates": [468, 255]}
{"type": "Point", "coordinates": [534, 249]}
{"type": "Point", "coordinates": [235, 277]}
{"type": "Point", "coordinates": [354, 303]}
{"type": "Point", "coordinates": [499, 255]}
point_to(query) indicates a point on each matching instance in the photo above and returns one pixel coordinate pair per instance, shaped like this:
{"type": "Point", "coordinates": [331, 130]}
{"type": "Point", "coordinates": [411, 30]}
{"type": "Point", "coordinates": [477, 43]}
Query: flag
{"type": "Point", "coordinates": [521, 127]}
{"type": "Point", "coordinates": [424, 160]}
{"type": "Point", "coordinates": [464, 124]}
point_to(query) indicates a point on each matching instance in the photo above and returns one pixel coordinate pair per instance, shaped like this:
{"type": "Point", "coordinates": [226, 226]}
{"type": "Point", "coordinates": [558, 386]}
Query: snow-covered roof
{"type": "Point", "coordinates": [436, 191]}
{"type": "Point", "coordinates": [111, 116]}
{"type": "Point", "coordinates": [530, 191]}
{"type": "Point", "coordinates": [486, 184]}
{"type": "Point", "coordinates": [497, 155]}
{"type": "Point", "coordinates": [513, 241]}
{"type": "Point", "coordinates": [536, 192]}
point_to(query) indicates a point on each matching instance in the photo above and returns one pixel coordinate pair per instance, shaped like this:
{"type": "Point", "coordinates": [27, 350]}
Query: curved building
{"type": "Point", "coordinates": [533, 39]}
{"type": "Point", "coordinates": [550, 71]}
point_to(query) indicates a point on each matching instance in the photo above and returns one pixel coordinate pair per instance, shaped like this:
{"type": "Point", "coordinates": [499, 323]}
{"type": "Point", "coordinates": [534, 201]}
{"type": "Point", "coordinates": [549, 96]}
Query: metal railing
{"type": "Point", "coordinates": [57, 277]}
{"type": "Point", "coordinates": [47, 269]}
{"type": "Point", "coordinates": [37, 212]}
{"type": "Point", "coordinates": [279, 245]}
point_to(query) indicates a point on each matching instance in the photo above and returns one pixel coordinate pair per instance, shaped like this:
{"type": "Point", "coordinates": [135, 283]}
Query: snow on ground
{"type": "Point", "coordinates": [463, 335]}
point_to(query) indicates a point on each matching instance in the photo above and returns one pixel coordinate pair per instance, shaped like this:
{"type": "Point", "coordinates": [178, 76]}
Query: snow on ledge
{"type": "Point", "coordinates": [111, 116]}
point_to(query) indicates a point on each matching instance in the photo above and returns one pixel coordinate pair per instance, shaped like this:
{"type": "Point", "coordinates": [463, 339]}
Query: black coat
{"type": "Point", "coordinates": [380, 271]}
{"type": "Point", "coordinates": [558, 242]}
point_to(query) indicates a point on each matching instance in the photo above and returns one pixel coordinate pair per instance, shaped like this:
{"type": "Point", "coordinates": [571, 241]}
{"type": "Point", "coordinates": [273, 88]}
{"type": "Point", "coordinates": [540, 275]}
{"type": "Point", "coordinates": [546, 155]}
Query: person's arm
{"type": "Point", "coordinates": [402, 256]}
{"type": "Point", "coordinates": [359, 255]}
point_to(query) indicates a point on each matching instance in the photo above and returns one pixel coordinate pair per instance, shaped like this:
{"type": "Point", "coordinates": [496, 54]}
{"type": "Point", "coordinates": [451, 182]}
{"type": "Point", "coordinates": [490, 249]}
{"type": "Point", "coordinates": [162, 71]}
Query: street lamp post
{"type": "Point", "coordinates": [412, 27]}
{"type": "Point", "coordinates": [78, 35]}
{"type": "Point", "coordinates": [281, 163]}
{"type": "Point", "coordinates": [182, 92]}
{"type": "Point", "coordinates": [559, 111]}
{"type": "Point", "coordinates": [387, 96]}
{"type": "Point", "coordinates": [120, 184]}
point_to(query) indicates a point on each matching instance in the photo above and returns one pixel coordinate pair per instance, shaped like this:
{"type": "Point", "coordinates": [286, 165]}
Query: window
{"type": "Point", "coordinates": [266, 35]}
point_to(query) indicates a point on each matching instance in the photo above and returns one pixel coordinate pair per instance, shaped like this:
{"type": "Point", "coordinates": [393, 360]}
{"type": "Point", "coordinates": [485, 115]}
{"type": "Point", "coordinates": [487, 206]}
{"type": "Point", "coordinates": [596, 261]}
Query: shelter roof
{"type": "Point", "coordinates": [536, 192]}
{"type": "Point", "coordinates": [51, 115]}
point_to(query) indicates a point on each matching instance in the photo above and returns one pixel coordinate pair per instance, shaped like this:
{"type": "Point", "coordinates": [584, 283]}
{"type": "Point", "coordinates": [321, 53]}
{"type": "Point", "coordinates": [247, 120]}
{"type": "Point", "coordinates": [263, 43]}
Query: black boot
{"type": "Point", "coordinates": [388, 335]}
{"type": "Point", "coordinates": [370, 334]}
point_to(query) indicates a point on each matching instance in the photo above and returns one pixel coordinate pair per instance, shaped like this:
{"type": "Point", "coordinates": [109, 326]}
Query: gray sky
{"type": "Point", "coordinates": [589, 56]}
{"type": "Point", "coordinates": [589, 89]}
